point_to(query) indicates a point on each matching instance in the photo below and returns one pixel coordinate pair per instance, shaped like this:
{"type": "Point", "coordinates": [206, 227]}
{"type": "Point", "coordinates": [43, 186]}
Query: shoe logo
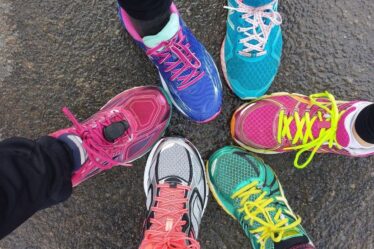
{"type": "Point", "coordinates": [196, 210]}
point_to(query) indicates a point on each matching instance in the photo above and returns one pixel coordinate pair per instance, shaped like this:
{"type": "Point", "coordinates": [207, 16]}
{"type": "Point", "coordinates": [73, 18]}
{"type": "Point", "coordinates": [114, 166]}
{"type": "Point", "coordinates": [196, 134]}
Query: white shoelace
{"type": "Point", "coordinates": [258, 30]}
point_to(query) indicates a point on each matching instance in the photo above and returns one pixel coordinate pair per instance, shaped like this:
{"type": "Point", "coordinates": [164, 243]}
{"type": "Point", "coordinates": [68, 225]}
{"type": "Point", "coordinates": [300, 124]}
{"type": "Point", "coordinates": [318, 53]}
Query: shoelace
{"type": "Point", "coordinates": [258, 31]}
{"type": "Point", "coordinates": [271, 227]}
{"type": "Point", "coordinates": [169, 235]}
{"type": "Point", "coordinates": [304, 126]}
{"type": "Point", "coordinates": [93, 142]}
{"type": "Point", "coordinates": [181, 54]}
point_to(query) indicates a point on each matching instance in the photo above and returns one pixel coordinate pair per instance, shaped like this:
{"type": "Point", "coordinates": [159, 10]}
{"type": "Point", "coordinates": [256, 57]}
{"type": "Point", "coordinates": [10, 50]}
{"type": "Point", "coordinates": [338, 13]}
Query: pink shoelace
{"type": "Point", "coordinates": [166, 230]}
{"type": "Point", "coordinates": [258, 30]}
{"type": "Point", "coordinates": [175, 48]}
{"type": "Point", "coordinates": [94, 142]}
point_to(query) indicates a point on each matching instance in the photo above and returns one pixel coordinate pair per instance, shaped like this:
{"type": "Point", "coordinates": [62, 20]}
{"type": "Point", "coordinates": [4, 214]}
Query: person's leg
{"type": "Point", "coordinates": [181, 60]}
{"type": "Point", "coordinates": [33, 175]}
{"type": "Point", "coordinates": [37, 174]}
{"type": "Point", "coordinates": [364, 125]}
{"type": "Point", "coordinates": [148, 16]}
{"type": "Point", "coordinates": [145, 9]}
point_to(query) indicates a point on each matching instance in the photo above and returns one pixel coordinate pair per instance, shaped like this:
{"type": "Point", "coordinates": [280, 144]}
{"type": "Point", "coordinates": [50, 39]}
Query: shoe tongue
{"type": "Point", "coordinates": [165, 34]}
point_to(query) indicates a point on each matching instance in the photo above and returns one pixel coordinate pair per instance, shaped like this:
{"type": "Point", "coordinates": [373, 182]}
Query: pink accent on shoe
{"type": "Point", "coordinates": [342, 135]}
{"type": "Point", "coordinates": [166, 225]}
{"type": "Point", "coordinates": [166, 49]}
{"type": "Point", "coordinates": [255, 125]}
{"type": "Point", "coordinates": [94, 142]}
{"type": "Point", "coordinates": [212, 118]}
{"type": "Point", "coordinates": [173, 8]}
{"type": "Point", "coordinates": [126, 20]}
{"type": "Point", "coordinates": [145, 109]}
{"type": "Point", "coordinates": [259, 125]}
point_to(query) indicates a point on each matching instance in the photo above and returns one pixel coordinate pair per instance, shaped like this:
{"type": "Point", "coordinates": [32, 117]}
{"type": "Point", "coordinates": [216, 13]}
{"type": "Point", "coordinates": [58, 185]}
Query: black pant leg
{"type": "Point", "coordinates": [365, 124]}
{"type": "Point", "coordinates": [145, 9]}
{"type": "Point", "coordinates": [33, 175]}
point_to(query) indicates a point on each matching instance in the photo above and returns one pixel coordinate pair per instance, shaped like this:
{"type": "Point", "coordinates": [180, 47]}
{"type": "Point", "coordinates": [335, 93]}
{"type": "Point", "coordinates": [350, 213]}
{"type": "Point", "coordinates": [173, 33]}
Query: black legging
{"type": "Point", "coordinates": [33, 175]}
{"type": "Point", "coordinates": [365, 124]}
{"type": "Point", "coordinates": [145, 9]}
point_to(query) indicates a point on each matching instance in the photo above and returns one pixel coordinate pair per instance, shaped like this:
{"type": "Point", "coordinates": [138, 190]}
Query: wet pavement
{"type": "Point", "coordinates": [74, 53]}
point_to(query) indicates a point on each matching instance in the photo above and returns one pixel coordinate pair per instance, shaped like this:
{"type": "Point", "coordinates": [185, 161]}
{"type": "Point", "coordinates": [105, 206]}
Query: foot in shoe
{"type": "Point", "coordinates": [285, 122]}
{"type": "Point", "coordinates": [251, 52]}
{"type": "Point", "coordinates": [177, 195]}
{"type": "Point", "coordinates": [187, 71]}
{"type": "Point", "coordinates": [123, 130]}
{"type": "Point", "coordinates": [249, 191]}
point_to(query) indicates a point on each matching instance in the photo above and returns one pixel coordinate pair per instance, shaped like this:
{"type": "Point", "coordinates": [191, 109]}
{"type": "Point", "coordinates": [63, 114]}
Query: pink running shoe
{"type": "Point", "coordinates": [284, 122]}
{"type": "Point", "coordinates": [122, 131]}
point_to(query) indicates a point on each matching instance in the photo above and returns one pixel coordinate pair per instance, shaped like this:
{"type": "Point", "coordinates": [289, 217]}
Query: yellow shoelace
{"type": "Point", "coordinates": [271, 227]}
{"type": "Point", "coordinates": [304, 128]}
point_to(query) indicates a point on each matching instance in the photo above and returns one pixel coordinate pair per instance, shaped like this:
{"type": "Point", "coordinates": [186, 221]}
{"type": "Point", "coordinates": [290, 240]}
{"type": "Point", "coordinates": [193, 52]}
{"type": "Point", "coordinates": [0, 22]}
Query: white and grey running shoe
{"type": "Point", "coordinates": [177, 195]}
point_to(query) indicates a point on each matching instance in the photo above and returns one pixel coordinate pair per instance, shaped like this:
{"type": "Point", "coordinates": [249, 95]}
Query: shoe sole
{"type": "Point", "coordinates": [148, 168]}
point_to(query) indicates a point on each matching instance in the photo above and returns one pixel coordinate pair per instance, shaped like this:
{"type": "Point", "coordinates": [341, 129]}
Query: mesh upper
{"type": "Point", "coordinates": [236, 168]}
{"type": "Point", "coordinates": [174, 162]}
{"type": "Point", "coordinates": [258, 126]}
{"type": "Point", "coordinates": [231, 170]}
{"type": "Point", "coordinates": [252, 75]}
{"type": "Point", "coordinates": [257, 73]}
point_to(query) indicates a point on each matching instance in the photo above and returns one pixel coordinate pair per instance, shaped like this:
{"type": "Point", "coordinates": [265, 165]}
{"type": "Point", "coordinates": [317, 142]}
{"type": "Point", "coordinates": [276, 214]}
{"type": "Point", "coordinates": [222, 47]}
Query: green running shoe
{"type": "Point", "coordinates": [249, 191]}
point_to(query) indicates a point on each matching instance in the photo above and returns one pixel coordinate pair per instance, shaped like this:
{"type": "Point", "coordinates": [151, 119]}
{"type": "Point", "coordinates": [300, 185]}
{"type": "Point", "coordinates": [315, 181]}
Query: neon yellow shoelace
{"type": "Point", "coordinates": [271, 227]}
{"type": "Point", "coordinates": [304, 126]}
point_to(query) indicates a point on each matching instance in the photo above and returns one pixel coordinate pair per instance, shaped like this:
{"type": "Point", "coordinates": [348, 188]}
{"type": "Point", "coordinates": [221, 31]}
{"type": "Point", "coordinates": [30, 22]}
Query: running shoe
{"type": "Point", "coordinates": [177, 195]}
{"type": "Point", "coordinates": [252, 49]}
{"type": "Point", "coordinates": [285, 122]}
{"type": "Point", "coordinates": [122, 131]}
{"type": "Point", "coordinates": [187, 71]}
{"type": "Point", "coordinates": [249, 191]}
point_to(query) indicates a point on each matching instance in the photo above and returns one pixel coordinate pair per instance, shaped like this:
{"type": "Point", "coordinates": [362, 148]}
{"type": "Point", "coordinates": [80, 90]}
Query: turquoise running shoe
{"type": "Point", "coordinates": [252, 49]}
{"type": "Point", "coordinates": [248, 190]}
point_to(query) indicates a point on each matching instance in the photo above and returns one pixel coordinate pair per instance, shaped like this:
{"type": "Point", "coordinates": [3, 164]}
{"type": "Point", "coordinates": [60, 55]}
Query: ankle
{"type": "Point", "coordinates": [151, 27]}
{"type": "Point", "coordinates": [74, 143]}
{"type": "Point", "coordinates": [359, 140]}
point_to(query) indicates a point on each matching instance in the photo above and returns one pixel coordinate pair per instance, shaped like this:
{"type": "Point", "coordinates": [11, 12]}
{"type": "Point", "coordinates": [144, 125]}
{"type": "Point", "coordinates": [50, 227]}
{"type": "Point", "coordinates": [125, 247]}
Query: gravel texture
{"type": "Point", "coordinates": [75, 53]}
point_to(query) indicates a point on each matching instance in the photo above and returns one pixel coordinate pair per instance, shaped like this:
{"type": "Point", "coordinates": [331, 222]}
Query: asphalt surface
{"type": "Point", "coordinates": [75, 53]}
